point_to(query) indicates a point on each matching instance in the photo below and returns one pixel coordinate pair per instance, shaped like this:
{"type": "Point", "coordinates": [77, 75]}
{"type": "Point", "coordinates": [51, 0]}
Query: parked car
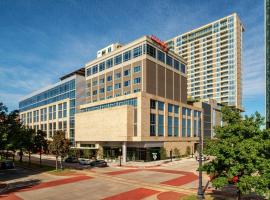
{"type": "Point", "coordinates": [99, 163]}
{"type": "Point", "coordinates": [7, 164]}
{"type": "Point", "coordinates": [71, 159]}
{"type": "Point", "coordinates": [83, 161]}
{"type": "Point", "coordinates": [204, 158]}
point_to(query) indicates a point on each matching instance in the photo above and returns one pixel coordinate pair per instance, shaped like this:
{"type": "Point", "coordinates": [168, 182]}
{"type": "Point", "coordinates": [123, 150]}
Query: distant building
{"type": "Point", "coordinates": [214, 60]}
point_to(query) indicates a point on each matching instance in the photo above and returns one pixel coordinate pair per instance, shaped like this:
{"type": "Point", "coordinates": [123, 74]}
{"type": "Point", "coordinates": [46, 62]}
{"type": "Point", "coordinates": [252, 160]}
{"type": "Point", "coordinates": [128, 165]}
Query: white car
{"type": "Point", "coordinates": [84, 161]}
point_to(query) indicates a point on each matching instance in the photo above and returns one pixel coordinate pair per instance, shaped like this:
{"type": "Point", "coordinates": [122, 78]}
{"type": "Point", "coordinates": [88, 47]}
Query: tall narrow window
{"type": "Point", "coordinates": [170, 126]}
{"type": "Point", "coordinates": [176, 126]}
{"type": "Point", "coordinates": [184, 127]}
{"type": "Point", "coordinates": [188, 127]}
{"type": "Point", "coordinates": [60, 110]}
{"type": "Point", "coordinates": [152, 124]}
{"type": "Point", "coordinates": [65, 109]}
{"type": "Point", "coordinates": [160, 125]}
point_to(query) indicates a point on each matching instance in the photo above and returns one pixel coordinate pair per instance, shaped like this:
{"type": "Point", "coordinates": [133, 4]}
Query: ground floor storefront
{"type": "Point", "coordinates": [146, 151]}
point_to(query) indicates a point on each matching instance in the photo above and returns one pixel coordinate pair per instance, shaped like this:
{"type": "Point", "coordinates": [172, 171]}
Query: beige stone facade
{"type": "Point", "coordinates": [137, 97]}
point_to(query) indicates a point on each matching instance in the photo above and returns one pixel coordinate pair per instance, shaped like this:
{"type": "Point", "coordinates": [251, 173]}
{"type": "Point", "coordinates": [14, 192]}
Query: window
{"type": "Point", "coordinates": [60, 125]}
{"type": "Point", "coordinates": [45, 114]}
{"type": "Point", "coordinates": [152, 124]}
{"type": "Point", "coordinates": [50, 113]}
{"type": "Point", "coordinates": [183, 68]}
{"type": "Point", "coordinates": [64, 125]}
{"type": "Point", "coordinates": [160, 125]}
{"type": "Point", "coordinates": [60, 110]}
{"type": "Point", "coordinates": [109, 63]}
{"type": "Point", "coordinates": [152, 104]}
{"type": "Point", "coordinates": [176, 109]}
{"type": "Point", "coordinates": [95, 69]}
{"type": "Point", "coordinates": [151, 50]}
{"type": "Point", "coordinates": [176, 126]}
{"type": "Point", "coordinates": [95, 92]}
{"type": "Point", "coordinates": [54, 112]}
{"type": "Point", "coordinates": [170, 108]}
{"type": "Point", "coordinates": [160, 105]}
{"type": "Point", "coordinates": [137, 80]}
{"type": "Point", "coordinates": [170, 126]}
{"type": "Point", "coordinates": [94, 83]}
{"type": "Point", "coordinates": [117, 94]}
{"type": "Point", "coordinates": [169, 61]}
{"type": "Point", "coordinates": [101, 81]}
{"type": "Point", "coordinates": [176, 65]}
{"type": "Point", "coordinates": [101, 90]}
{"type": "Point", "coordinates": [118, 59]}
{"type": "Point", "coordinates": [184, 111]}
{"type": "Point", "coordinates": [183, 127]}
{"type": "Point", "coordinates": [127, 83]}
{"type": "Point", "coordinates": [188, 127]}
{"type": "Point", "coordinates": [161, 56]}
{"type": "Point", "coordinates": [195, 128]}
{"type": "Point", "coordinates": [88, 71]}
{"type": "Point", "coordinates": [136, 90]}
{"type": "Point", "coordinates": [137, 51]}
{"type": "Point", "coordinates": [127, 72]}
{"type": "Point", "coordinates": [127, 56]}
{"type": "Point", "coordinates": [109, 78]}
{"type": "Point", "coordinates": [65, 109]}
{"type": "Point", "coordinates": [188, 112]}
{"type": "Point", "coordinates": [102, 66]}
{"type": "Point", "coordinates": [109, 88]}
{"type": "Point", "coordinates": [137, 69]}
{"type": "Point", "coordinates": [117, 86]}
{"type": "Point", "coordinates": [117, 76]}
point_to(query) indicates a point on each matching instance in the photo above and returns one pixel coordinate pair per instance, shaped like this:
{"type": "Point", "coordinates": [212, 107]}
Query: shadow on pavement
{"type": "Point", "coordinates": [19, 185]}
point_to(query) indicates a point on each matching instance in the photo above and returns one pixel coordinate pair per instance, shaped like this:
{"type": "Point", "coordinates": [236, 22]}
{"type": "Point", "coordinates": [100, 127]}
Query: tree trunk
{"type": "Point", "coordinates": [29, 156]}
{"type": "Point", "coordinates": [21, 155]}
{"type": "Point", "coordinates": [56, 163]}
{"type": "Point", "coordinates": [61, 165]}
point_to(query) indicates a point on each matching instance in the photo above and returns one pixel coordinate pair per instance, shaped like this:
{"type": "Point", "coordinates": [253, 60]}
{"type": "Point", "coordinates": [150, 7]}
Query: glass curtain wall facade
{"type": "Point", "coordinates": [56, 106]}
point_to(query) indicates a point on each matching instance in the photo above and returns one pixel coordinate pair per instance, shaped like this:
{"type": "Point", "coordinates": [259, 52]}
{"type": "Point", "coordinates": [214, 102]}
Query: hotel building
{"type": "Point", "coordinates": [130, 100]}
{"type": "Point", "coordinates": [137, 103]}
{"type": "Point", "coordinates": [214, 60]}
{"type": "Point", "coordinates": [53, 108]}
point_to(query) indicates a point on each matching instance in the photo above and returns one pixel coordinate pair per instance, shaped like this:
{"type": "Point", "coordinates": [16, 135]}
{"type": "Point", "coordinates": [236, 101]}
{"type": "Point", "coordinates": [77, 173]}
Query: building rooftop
{"type": "Point", "coordinates": [80, 72]}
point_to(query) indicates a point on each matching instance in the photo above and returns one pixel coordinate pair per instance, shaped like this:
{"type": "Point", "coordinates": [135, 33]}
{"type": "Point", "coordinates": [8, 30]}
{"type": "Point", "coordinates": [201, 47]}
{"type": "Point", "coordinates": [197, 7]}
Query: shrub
{"type": "Point", "coordinates": [188, 151]}
{"type": "Point", "coordinates": [163, 153]}
{"type": "Point", "coordinates": [176, 153]}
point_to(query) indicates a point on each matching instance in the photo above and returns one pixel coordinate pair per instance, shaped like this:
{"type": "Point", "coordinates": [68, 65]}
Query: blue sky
{"type": "Point", "coordinates": [43, 40]}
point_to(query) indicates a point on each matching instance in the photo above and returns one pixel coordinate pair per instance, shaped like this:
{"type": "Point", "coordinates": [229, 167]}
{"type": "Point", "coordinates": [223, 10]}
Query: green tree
{"type": "Point", "coordinates": [3, 126]}
{"type": "Point", "coordinates": [176, 152]}
{"type": "Point", "coordinates": [40, 142]}
{"type": "Point", "coordinates": [28, 141]}
{"type": "Point", "coordinates": [188, 151]}
{"type": "Point", "coordinates": [241, 152]}
{"type": "Point", "coordinates": [59, 147]}
{"type": "Point", "coordinates": [163, 153]}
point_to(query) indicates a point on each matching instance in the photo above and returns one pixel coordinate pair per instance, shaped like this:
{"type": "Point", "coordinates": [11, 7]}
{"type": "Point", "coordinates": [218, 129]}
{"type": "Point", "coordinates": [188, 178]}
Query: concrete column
{"type": "Point", "coordinates": [124, 152]}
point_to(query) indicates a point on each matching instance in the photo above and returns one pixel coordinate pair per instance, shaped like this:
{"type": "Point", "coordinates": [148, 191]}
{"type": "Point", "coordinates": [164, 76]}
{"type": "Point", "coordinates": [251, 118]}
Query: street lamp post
{"type": "Point", "coordinates": [120, 150]}
{"type": "Point", "coordinates": [200, 194]}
